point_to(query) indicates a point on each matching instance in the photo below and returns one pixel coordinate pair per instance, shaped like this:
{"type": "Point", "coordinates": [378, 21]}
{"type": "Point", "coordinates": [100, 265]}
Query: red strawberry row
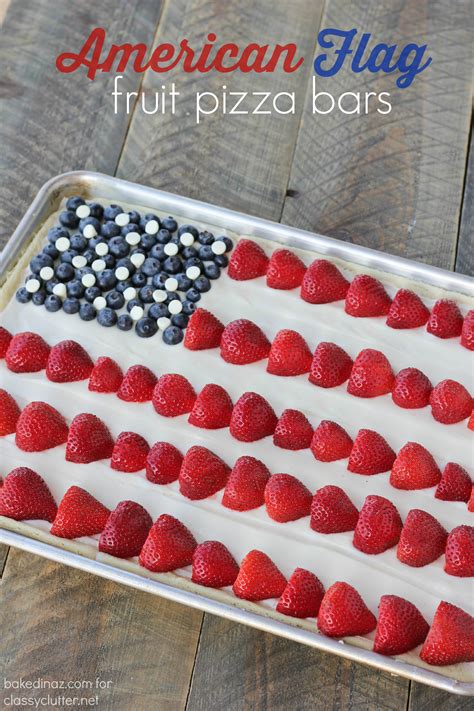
{"type": "Point", "coordinates": [365, 296]}
{"type": "Point", "coordinates": [168, 545]}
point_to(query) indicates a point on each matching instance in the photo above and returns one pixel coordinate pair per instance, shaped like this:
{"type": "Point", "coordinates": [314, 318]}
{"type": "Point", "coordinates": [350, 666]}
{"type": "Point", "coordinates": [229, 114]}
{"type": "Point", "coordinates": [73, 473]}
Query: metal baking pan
{"type": "Point", "coordinates": [91, 185]}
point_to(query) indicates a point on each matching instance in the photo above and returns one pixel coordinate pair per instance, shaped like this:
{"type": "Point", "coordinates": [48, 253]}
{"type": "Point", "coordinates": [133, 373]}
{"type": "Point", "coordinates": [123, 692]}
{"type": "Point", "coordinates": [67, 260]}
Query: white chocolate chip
{"type": "Point", "coordinates": [193, 272]}
{"type": "Point", "coordinates": [136, 312]}
{"type": "Point", "coordinates": [137, 259]}
{"type": "Point", "coordinates": [88, 280]}
{"type": "Point", "coordinates": [32, 286]}
{"type": "Point", "coordinates": [122, 273]}
{"type": "Point", "coordinates": [79, 261]}
{"type": "Point", "coordinates": [187, 239]}
{"type": "Point", "coordinates": [218, 247]}
{"type": "Point", "coordinates": [171, 284]}
{"type": "Point", "coordinates": [152, 227]}
{"type": "Point", "coordinates": [99, 303]}
{"type": "Point", "coordinates": [171, 249]}
{"type": "Point", "coordinates": [132, 238]}
{"type": "Point", "coordinates": [129, 293]}
{"type": "Point", "coordinates": [60, 290]}
{"type": "Point", "coordinates": [98, 265]}
{"type": "Point", "coordinates": [159, 296]}
{"type": "Point", "coordinates": [89, 232]}
{"type": "Point", "coordinates": [163, 322]}
{"type": "Point", "coordinates": [102, 249]}
{"type": "Point", "coordinates": [62, 244]}
{"type": "Point", "coordinates": [175, 306]}
{"type": "Point", "coordinates": [83, 211]}
{"type": "Point", "coordinates": [122, 219]}
{"type": "Point", "coordinates": [46, 273]}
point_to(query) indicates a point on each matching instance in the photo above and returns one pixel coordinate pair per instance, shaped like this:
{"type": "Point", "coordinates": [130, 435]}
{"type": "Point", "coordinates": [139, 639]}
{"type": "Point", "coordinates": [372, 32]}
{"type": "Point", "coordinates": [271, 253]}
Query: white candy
{"type": "Point", "coordinates": [89, 232]}
{"type": "Point", "coordinates": [79, 261]}
{"type": "Point", "coordinates": [60, 290]}
{"type": "Point", "coordinates": [137, 259]}
{"type": "Point", "coordinates": [187, 239]}
{"type": "Point", "coordinates": [46, 273]}
{"type": "Point", "coordinates": [171, 249]}
{"type": "Point", "coordinates": [100, 303]}
{"type": "Point", "coordinates": [171, 284]}
{"type": "Point", "coordinates": [98, 264]}
{"type": "Point", "coordinates": [122, 219]}
{"type": "Point", "coordinates": [136, 312]}
{"type": "Point", "coordinates": [152, 227]}
{"type": "Point", "coordinates": [32, 286]}
{"type": "Point", "coordinates": [62, 244]}
{"type": "Point", "coordinates": [175, 306]}
{"type": "Point", "coordinates": [129, 293]}
{"type": "Point", "coordinates": [88, 280]}
{"type": "Point", "coordinates": [163, 322]}
{"type": "Point", "coordinates": [132, 238]}
{"type": "Point", "coordinates": [102, 249]}
{"type": "Point", "coordinates": [83, 211]}
{"type": "Point", "coordinates": [193, 272]}
{"type": "Point", "coordinates": [122, 273]}
{"type": "Point", "coordinates": [218, 247]}
{"type": "Point", "coordinates": [159, 296]}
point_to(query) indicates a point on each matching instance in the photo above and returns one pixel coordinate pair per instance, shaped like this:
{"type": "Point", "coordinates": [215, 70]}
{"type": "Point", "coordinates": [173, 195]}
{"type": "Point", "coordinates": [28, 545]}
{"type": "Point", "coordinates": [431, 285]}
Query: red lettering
{"type": "Point", "coordinates": [69, 62]}
{"type": "Point", "coordinates": [126, 51]}
{"type": "Point", "coordinates": [163, 53]}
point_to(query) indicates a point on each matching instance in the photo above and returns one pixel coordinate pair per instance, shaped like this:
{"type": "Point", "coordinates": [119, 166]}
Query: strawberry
{"type": "Point", "coordinates": [460, 552]}
{"type": "Point", "coordinates": [137, 384]}
{"type": "Point", "coordinates": [451, 637]}
{"type": "Point", "coordinates": [455, 484]}
{"type": "Point", "coordinates": [293, 431]}
{"type": "Point", "coordinates": [163, 463]}
{"type": "Point", "coordinates": [5, 338]}
{"type": "Point", "coordinates": [79, 514]}
{"type": "Point", "coordinates": [407, 310]}
{"type": "Point", "coordinates": [9, 413]}
{"type": "Point", "coordinates": [202, 473]}
{"type": "Point", "coordinates": [289, 354]}
{"type": "Point", "coordinates": [213, 565]}
{"type": "Point", "coordinates": [258, 578]}
{"type": "Point", "coordinates": [330, 442]}
{"type": "Point", "coordinates": [126, 530]}
{"type": "Point", "coordinates": [414, 468]}
{"type": "Point", "coordinates": [40, 427]}
{"type": "Point", "coordinates": [248, 261]}
{"type": "Point", "coordinates": [450, 402]}
{"type": "Point", "coordinates": [371, 375]}
{"type": "Point", "coordinates": [204, 331]}
{"type": "Point", "coordinates": [286, 498]}
{"type": "Point", "coordinates": [25, 496]}
{"type": "Point", "coordinates": [27, 353]}
{"type": "Point", "coordinates": [470, 423]}
{"type": "Point", "coordinates": [244, 342]}
{"type": "Point", "coordinates": [331, 366]}
{"type": "Point", "coordinates": [173, 395]}
{"type": "Point", "coordinates": [400, 626]}
{"type": "Point", "coordinates": [245, 488]}
{"type": "Point", "coordinates": [212, 409]}
{"type": "Point", "coordinates": [367, 297]}
{"type": "Point", "coordinates": [68, 362]}
{"type": "Point", "coordinates": [470, 503]}
{"type": "Point", "coordinates": [169, 545]}
{"type": "Point", "coordinates": [106, 376]}
{"type": "Point", "coordinates": [323, 283]}
{"type": "Point", "coordinates": [129, 453]}
{"type": "Point", "coordinates": [422, 540]}
{"type": "Point", "coordinates": [411, 389]}
{"type": "Point", "coordinates": [89, 440]}
{"type": "Point", "coordinates": [332, 511]}
{"type": "Point", "coordinates": [285, 270]}
{"type": "Point", "coordinates": [467, 333]}
{"type": "Point", "coordinates": [252, 418]}
{"type": "Point", "coordinates": [371, 454]}
{"type": "Point", "coordinates": [445, 319]}
{"type": "Point", "coordinates": [343, 613]}
{"type": "Point", "coordinates": [302, 596]}
{"type": "Point", "coordinates": [379, 526]}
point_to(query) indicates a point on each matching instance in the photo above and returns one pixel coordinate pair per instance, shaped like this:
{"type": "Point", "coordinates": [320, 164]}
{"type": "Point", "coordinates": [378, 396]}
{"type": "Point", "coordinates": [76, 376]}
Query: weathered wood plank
{"type": "Point", "coordinates": [393, 182]}
{"type": "Point", "coordinates": [3, 557]}
{"type": "Point", "coordinates": [425, 698]}
{"type": "Point", "coordinates": [3, 9]}
{"type": "Point", "coordinates": [465, 252]}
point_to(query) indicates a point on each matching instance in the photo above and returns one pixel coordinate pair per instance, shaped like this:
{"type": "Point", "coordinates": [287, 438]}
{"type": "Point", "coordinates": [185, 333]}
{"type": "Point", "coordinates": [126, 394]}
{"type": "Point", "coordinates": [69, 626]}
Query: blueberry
{"type": "Point", "coordinates": [22, 295]}
{"type": "Point", "coordinates": [119, 247]}
{"type": "Point", "coordinates": [131, 227]}
{"type": "Point", "coordinates": [212, 271]}
{"type": "Point", "coordinates": [158, 280]}
{"type": "Point", "coordinates": [53, 303]}
{"type": "Point", "coordinates": [51, 251]}
{"type": "Point", "coordinates": [134, 217]}
{"type": "Point", "coordinates": [173, 335]}
{"type": "Point", "coordinates": [146, 294]}
{"type": "Point", "coordinates": [149, 216]}
{"type": "Point", "coordinates": [110, 229]}
{"type": "Point", "coordinates": [87, 312]}
{"type": "Point", "coordinates": [169, 223]}
{"type": "Point", "coordinates": [74, 201]}
{"type": "Point", "coordinates": [78, 242]}
{"type": "Point", "coordinates": [202, 284]}
{"type": "Point", "coordinates": [188, 228]}
{"type": "Point", "coordinates": [132, 303]}
{"type": "Point", "coordinates": [189, 252]}
{"type": "Point", "coordinates": [221, 260]}
{"type": "Point", "coordinates": [96, 210]}
{"type": "Point", "coordinates": [206, 253]}
{"type": "Point", "coordinates": [68, 219]}
{"type": "Point", "coordinates": [180, 320]}
{"type": "Point", "coordinates": [193, 295]}
{"type": "Point", "coordinates": [90, 255]}
{"type": "Point", "coordinates": [156, 311]}
{"type": "Point", "coordinates": [124, 322]}
{"type": "Point", "coordinates": [172, 296]}
{"type": "Point", "coordinates": [178, 244]}
{"type": "Point", "coordinates": [228, 243]}
{"type": "Point", "coordinates": [163, 236]}
{"type": "Point", "coordinates": [40, 261]}
{"type": "Point", "coordinates": [82, 271]}
{"type": "Point", "coordinates": [183, 282]}
{"type": "Point", "coordinates": [75, 289]}
{"type": "Point", "coordinates": [39, 297]}
{"type": "Point", "coordinates": [139, 279]}
{"type": "Point", "coordinates": [55, 233]}
{"type": "Point", "coordinates": [147, 241]}
{"type": "Point", "coordinates": [106, 279]}
{"type": "Point", "coordinates": [50, 284]}
{"type": "Point", "coordinates": [107, 317]}
{"type": "Point", "coordinates": [111, 211]}
{"type": "Point", "coordinates": [91, 293]}
{"type": "Point", "coordinates": [206, 238]}
{"type": "Point", "coordinates": [109, 260]}
{"type": "Point", "coordinates": [115, 300]}
{"type": "Point", "coordinates": [158, 252]}
{"type": "Point", "coordinates": [189, 307]}
{"type": "Point", "coordinates": [64, 271]}
{"type": "Point", "coordinates": [193, 262]}
{"type": "Point", "coordinates": [122, 285]}
{"type": "Point", "coordinates": [146, 327]}
{"type": "Point", "coordinates": [68, 256]}
{"type": "Point", "coordinates": [173, 265]}
{"type": "Point", "coordinates": [151, 266]}
{"type": "Point", "coordinates": [126, 262]}
{"type": "Point", "coordinates": [71, 306]}
{"type": "Point", "coordinates": [90, 221]}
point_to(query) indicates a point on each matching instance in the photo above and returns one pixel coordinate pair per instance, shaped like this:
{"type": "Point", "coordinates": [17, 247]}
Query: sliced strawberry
{"type": "Point", "coordinates": [9, 413]}
{"type": "Point", "coordinates": [258, 578]}
{"type": "Point", "coordinates": [129, 453]}
{"type": "Point", "coordinates": [411, 389]}
{"type": "Point", "coordinates": [244, 342]}
{"type": "Point", "coordinates": [470, 504]}
{"type": "Point", "coordinates": [173, 395]}
{"type": "Point", "coordinates": [286, 498]}
{"type": "Point", "coordinates": [422, 541]}
{"type": "Point", "coordinates": [371, 454]}
{"type": "Point", "coordinates": [343, 613]}
{"type": "Point", "coordinates": [68, 362]}
{"type": "Point", "coordinates": [330, 442]}
{"type": "Point", "coordinates": [89, 440]}
{"type": "Point", "coordinates": [24, 496]}
{"type": "Point", "coordinates": [455, 484]}
{"type": "Point", "coordinates": [245, 488]}
{"type": "Point", "coordinates": [213, 565]}
{"type": "Point", "coordinates": [451, 637]}
{"type": "Point", "coordinates": [248, 261]}
{"type": "Point", "coordinates": [202, 473]}
{"type": "Point", "coordinates": [445, 319]}
{"type": "Point", "coordinates": [5, 338]}
{"type": "Point", "coordinates": [40, 427]}
{"type": "Point", "coordinates": [126, 530]}
{"type": "Point", "coordinates": [414, 468]}
{"type": "Point", "coordinates": [285, 270]}
{"type": "Point", "coordinates": [400, 626]}
{"type": "Point", "coordinates": [407, 310]}
{"type": "Point", "coordinates": [323, 283]}
{"type": "Point", "coordinates": [302, 596]}
{"type": "Point", "coordinates": [163, 463]}
{"type": "Point", "coordinates": [467, 334]}
{"type": "Point", "coordinates": [460, 552]}
{"type": "Point", "coordinates": [379, 526]}
{"type": "Point", "coordinates": [79, 514]}
{"type": "Point", "coordinates": [450, 402]}
{"type": "Point", "coordinates": [289, 354]}
{"type": "Point", "coordinates": [27, 353]}
{"type": "Point", "coordinates": [293, 431]}
{"type": "Point", "coordinates": [332, 511]}
{"type": "Point", "coordinates": [367, 297]}
{"type": "Point", "coordinates": [371, 375]}
{"type": "Point", "coordinates": [212, 409]}
{"type": "Point", "coordinates": [204, 331]}
{"type": "Point", "coordinates": [331, 366]}
{"type": "Point", "coordinates": [169, 545]}
{"type": "Point", "coordinates": [106, 376]}
{"type": "Point", "coordinates": [252, 418]}
{"type": "Point", "coordinates": [137, 385]}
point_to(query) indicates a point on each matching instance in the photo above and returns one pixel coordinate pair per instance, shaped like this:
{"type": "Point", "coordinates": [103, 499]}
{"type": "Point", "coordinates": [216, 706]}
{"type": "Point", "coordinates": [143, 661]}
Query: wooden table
{"type": "Point", "coordinates": [400, 183]}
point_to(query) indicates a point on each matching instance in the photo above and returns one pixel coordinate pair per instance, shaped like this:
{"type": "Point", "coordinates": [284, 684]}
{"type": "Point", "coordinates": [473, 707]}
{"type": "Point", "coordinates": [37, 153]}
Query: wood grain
{"type": "Point", "coordinates": [465, 252]}
{"type": "Point", "coordinates": [3, 9]}
{"type": "Point", "coordinates": [425, 698]}
{"type": "Point", "coordinates": [3, 557]}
